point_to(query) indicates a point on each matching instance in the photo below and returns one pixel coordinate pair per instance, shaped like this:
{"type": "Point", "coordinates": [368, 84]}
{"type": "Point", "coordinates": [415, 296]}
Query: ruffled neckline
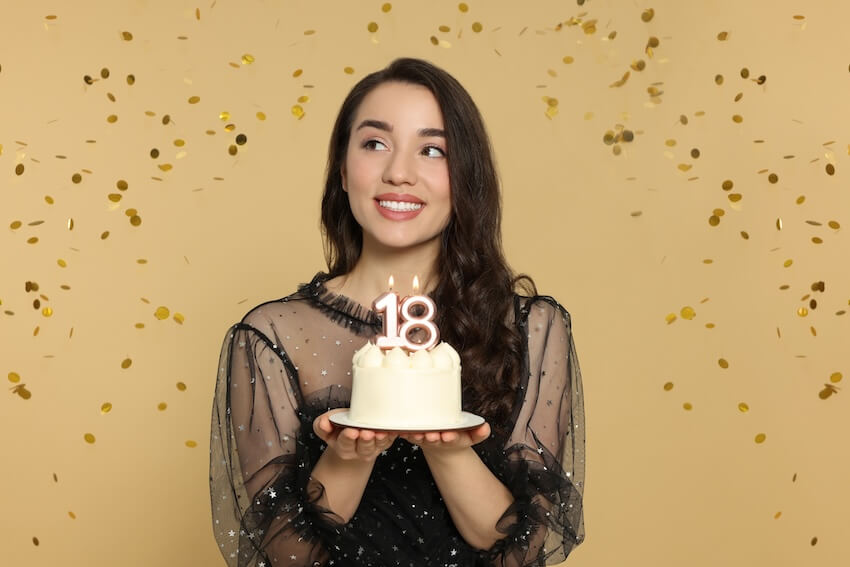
{"type": "Point", "coordinates": [339, 308]}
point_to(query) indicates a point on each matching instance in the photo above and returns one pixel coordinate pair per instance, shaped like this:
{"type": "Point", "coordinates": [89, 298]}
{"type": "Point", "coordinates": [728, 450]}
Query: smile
{"type": "Point", "coordinates": [400, 206]}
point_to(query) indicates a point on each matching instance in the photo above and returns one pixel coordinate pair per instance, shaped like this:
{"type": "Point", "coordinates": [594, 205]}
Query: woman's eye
{"type": "Point", "coordinates": [434, 151]}
{"type": "Point", "coordinates": [370, 144]}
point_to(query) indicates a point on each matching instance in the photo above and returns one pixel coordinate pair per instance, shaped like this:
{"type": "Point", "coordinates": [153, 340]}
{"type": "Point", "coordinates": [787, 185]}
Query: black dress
{"type": "Point", "coordinates": [289, 361]}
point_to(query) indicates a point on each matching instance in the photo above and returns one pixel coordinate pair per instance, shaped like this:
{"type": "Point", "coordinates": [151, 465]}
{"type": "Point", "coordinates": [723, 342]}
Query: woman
{"type": "Point", "coordinates": [411, 189]}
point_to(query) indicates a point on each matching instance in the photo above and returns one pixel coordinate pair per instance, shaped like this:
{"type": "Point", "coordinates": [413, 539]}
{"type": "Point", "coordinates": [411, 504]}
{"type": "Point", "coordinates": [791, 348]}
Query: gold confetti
{"type": "Point", "coordinates": [788, 263]}
{"type": "Point", "coordinates": [463, 7]}
{"type": "Point", "coordinates": [135, 220]}
{"type": "Point", "coordinates": [799, 17]}
{"type": "Point", "coordinates": [105, 408]}
{"type": "Point", "coordinates": [773, 178]}
{"type": "Point", "coordinates": [714, 220]}
{"type": "Point", "coordinates": [668, 386]}
{"type": "Point", "coordinates": [348, 70]}
{"type": "Point", "coordinates": [72, 515]}
{"type": "Point", "coordinates": [743, 407]}
{"type": "Point", "coordinates": [194, 99]}
{"type": "Point", "coordinates": [647, 15]}
{"type": "Point", "coordinates": [261, 116]}
{"type": "Point", "coordinates": [688, 313]}
{"type": "Point", "coordinates": [131, 79]}
{"type": "Point", "coordinates": [104, 235]}
{"type": "Point", "coordinates": [386, 7]}
{"type": "Point", "coordinates": [621, 81]}
{"type": "Point", "coordinates": [737, 118]}
{"type": "Point", "coordinates": [814, 541]}
{"type": "Point", "coordinates": [298, 111]}
{"type": "Point", "coordinates": [568, 59]}
{"type": "Point", "coordinates": [670, 318]}
{"type": "Point", "coordinates": [161, 406]}
{"type": "Point", "coordinates": [247, 58]}
{"type": "Point", "coordinates": [723, 363]}
{"type": "Point", "coordinates": [802, 311]}
{"type": "Point", "coordinates": [477, 27]}
{"type": "Point", "coordinates": [89, 438]}
{"type": "Point", "coordinates": [760, 438]}
{"type": "Point", "coordinates": [197, 13]}
{"type": "Point", "coordinates": [47, 311]}
{"type": "Point", "coordinates": [127, 36]}
{"type": "Point", "coordinates": [778, 224]}
{"type": "Point", "coordinates": [801, 199]}
{"type": "Point", "coordinates": [191, 444]}
{"type": "Point", "coordinates": [722, 36]}
{"type": "Point", "coordinates": [165, 166]}
{"type": "Point", "coordinates": [830, 169]}
{"type": "Point", "coordinates": [21, 390]}
{"type": "Point", "coordinates": [777, 515]}
{"type": "Point", "coordinates": [297, 72]}
{"type": "Point", "coordinates": [32, 240]}
{"type": "Point", "coordinates": [817, 240]}
{"type": "Point", "coordinates": [688, 406]}
{"type": "Point", "coordinates": [35, 541]}
{"type": "Point", "coordinates": [48, 199]}
{"type": "Point", "coordinates": [309, 32]}
{"type": "Point", "coordinates": [14, 377]}
{"type": "Point", "coordinates": [179, 318]}
{"type": "Point", "coordinates": [232, 149]}
{"type": "Point", "coordinates": [181, 386]}
{"type": "Point", "coordinates": [126, 363]}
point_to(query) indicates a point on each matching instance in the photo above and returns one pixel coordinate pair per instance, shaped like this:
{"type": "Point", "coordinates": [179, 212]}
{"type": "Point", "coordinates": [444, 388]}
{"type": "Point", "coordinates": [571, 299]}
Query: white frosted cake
{"type": "Point", "coordinates": [395, 390]}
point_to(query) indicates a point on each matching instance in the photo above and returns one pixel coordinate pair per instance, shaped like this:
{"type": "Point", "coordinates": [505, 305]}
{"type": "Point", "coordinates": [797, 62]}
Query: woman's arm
{"type": "Point", "coordinates": [475, 498]}
{"type": "Point", "coordinates": [345, 466]}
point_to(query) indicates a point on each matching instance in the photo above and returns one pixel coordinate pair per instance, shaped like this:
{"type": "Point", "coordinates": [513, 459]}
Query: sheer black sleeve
{"type": "Point", "coordinates": [542, 461]}
{"type": "Point", "coordinates": [266, 509]}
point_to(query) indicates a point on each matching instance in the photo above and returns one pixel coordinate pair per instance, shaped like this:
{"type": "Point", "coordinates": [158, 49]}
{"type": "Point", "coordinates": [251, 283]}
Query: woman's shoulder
{"type": "Point", "coordinates": [539, 308]}
{"type": "Point", "coordinates": [283, 311]}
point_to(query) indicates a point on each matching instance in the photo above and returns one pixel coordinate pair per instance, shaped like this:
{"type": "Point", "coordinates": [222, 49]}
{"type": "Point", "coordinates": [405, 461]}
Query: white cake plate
{"type": "Point", "coordinates": [467, 421]}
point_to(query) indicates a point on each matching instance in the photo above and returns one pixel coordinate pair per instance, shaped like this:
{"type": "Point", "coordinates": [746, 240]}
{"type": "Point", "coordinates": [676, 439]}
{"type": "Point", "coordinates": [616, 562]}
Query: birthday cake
{"type": "Point", "coordinates": [397, 390]}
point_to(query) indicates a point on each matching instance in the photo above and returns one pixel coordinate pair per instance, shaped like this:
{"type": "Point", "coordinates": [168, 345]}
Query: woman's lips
{"type": "Point", "coordinates": [395, 206]}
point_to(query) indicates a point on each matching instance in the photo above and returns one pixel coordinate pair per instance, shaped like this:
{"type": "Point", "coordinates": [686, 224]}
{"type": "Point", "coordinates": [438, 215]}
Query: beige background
{"type": "Point", "coordinates": [620, 240]}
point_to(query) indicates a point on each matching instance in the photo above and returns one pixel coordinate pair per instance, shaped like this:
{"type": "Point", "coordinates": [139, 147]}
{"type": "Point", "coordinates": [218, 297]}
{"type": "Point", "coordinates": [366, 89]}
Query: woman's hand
{"type": "Point", "coordinates": [431, 441]}
{"type": "Point", "coordinates": [349, 443]}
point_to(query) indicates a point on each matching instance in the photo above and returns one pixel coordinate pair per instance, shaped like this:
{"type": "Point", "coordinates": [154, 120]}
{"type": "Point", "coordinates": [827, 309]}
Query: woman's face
{"type": "Point", "coordinates": [395, 170]}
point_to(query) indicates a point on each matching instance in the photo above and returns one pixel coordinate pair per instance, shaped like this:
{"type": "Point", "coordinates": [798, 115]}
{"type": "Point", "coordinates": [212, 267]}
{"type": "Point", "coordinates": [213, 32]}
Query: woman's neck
{"type": "Point", "coordinates": [369, 277]}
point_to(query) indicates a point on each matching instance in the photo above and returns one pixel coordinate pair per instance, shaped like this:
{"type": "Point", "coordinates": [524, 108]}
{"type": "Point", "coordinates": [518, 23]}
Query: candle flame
{"type": "Point", "coordinates": [415, 284]}
{"type": "Point", "coordinates": [391, 282]}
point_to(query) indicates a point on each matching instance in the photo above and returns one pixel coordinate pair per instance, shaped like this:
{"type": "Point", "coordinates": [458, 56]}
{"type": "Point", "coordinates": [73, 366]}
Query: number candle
{"type": "Point", "coordinates": [395, 336]}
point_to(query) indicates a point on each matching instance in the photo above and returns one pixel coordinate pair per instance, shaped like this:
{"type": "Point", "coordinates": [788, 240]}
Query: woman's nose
{"type": "Point", "coordinates": [400, 169]}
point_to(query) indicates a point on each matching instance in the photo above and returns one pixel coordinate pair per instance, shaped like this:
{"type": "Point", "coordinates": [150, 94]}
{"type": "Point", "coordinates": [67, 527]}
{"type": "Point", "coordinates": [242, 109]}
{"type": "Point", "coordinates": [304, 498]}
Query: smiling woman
{"type": "Point", "coordinates": [411, 189]}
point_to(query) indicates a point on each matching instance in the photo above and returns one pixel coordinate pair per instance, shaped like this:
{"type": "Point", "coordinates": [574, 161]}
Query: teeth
{"type": "Point", "coordinates": [400, 205]}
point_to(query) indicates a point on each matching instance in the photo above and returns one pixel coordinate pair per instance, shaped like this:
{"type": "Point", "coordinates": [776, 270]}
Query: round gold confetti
{"type": "Point", "coordinates": [372, 27]}
{"type": "Point", "coordinates": [722, 36]}
{"type": "Point", "coordinates": [140, 325]}
{"type": "Point", "coordinates": [114, 197]}
{"type": "Point", "coordinates": [773, 178]}
{"type": "Point", "coordinates": [161, 312]}
{"type": "Point", "coordinates": [127, 36]}
{"type": "Point", "coordinates": [737, 118]}
{"type": "Point", "coordinates": [247, 59]}
{"type": "Point", "coordinates": [104, 73]}
{"type": "Point", "coordinates": [32, 240]}
{"type": "Point", "coordinates": [734, 197]}
{"type": "Point", "coordinates": [687, 406]}
{"type": "Point", "coordinates": [760, 438]}
{"type": "Point", "coordinates": [647, 15]}
{"type": "Point", "coordinates": [787, 263]}
{"type": "Point", "coordinates": [232, 149]}
{"type": "Point", "coordinates": [181, 386]}
{"type": "Point", "coordinates": [670, 318]}
{"type": "Point", "coordinates": [723, 363]}
{"type": "Point", "coordinates": [104, 235]}
{"type": "Point", "coordinates": [568, 59]}
{"type": "Point", "coordinates": [191, 444]}
{"type": "Point", "coordinates": [801, 199]}
{"type": "Point", "coordinates": [121, 185]}
{"type": "Point", "coordinates": [668, 386]}
{"type": "Point", "coordinates": [105, 408]}
{"type": "Point", "coordinates": [727, 185]}
{"type": "Point", "coordinates": [15, 225]}
{"type": "Point", "coordinates": [261, 116]}
{"type": "Point", "coordinates": [814, 541]}
{"type": "Point", "coordinates": [830, 169]}
{"type": "Point", "coordinates": [229, 127]}
{"type": "Point", "coordinates": [739, 96]}
{"type": "Point", "coordinates": [817, 240]}
{"type": "Point", "coordinates": [135, 220]}
{"type": "Point", "coordinates": [194, 99]}
{"type": "Point", "coordinates": [386, 7]}
{"type": "Point", "coordinates": [19, 169]}
{"type": "Point", "coordinates": [802, 311]}
{"type": "Point", "coordinates": [161, 406]}
{"type": "Point", "coordinates": [165, 166]}
{"type": "Point", "coordinates": [47, 311]}
{"type": "Point", "coordinates": [35, 541]}
{"type": "Point", "coordinates": [745, 73]}
{"type": "Point", "coordinates": [463, 7]}
{"type": "Point", "coordinates": [14, 377]}
{"type": "Point", "coordinates": [126, 363]}
{"type": "Point", "coordinates": [653, 42]}
{"type": "Point", "coordinates": [76, 178]}
{"type": "Point", "coordinates": [835, 377]}
{"type": "Point", "coordinates": [303, 98]}
{"type": "Point", "coordinates": [62, 263]}
{"type": "Point", "coordinates": [777, 515]}
{"type": "Point", "coordinates": [130, 212]}
{"type": "Point", "coordinates": [718, 79]}
{"type": "Point", "coordinates": [714, 220]}
{"type": "Point", "coordinates": [241, 139]}
{"type": "Point", "coordinates": [131, 79]}
{"type": "Point", "coordinates": [743, 407]}
{"type": "Point", "coordinates": [348, 70]}
{"type": "Point", "coordinates": [477, 27]}
{"type": "Point", "coordinates": [179, 318]}
{"type": "Point", "coordinates": [48, 199]}
{"type": "Point", "coordinates": [297, 72]}
{"type": "Point", "coordinates": [89, 438]}
{"type": "Point", "coordinates": [112, 118]}
{"type": "Point", "coordinates": [834, 225]}
{"type": "Point", "coordinates": [298, 111]}
{"type": "Point", "coordinates": [688, 313]}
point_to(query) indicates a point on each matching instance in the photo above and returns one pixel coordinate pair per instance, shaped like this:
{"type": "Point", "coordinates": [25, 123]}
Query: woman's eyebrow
{"type": "Point", "coordinates": [386, 127]}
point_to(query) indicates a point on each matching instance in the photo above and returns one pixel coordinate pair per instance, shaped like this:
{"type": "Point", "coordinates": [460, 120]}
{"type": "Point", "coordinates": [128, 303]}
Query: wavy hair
{"type": "Point", "coordinates": [475, 286]}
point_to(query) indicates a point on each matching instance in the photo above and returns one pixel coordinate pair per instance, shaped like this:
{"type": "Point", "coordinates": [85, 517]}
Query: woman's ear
{"type": "Point", "coordinates": [342, 174]}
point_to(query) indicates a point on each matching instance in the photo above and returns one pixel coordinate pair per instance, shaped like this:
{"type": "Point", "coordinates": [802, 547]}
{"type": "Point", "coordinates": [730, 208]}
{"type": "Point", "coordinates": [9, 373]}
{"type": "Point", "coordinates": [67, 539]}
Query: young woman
{"type": "Point", "coordinates": [411, 189]}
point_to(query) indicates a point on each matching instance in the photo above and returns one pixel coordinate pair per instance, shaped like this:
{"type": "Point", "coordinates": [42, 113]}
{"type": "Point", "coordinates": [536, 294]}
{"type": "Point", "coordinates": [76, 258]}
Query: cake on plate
{"type": "Point", "coordinates": [400, 390]}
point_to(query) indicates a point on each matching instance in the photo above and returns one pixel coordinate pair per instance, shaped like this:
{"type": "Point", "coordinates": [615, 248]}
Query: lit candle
{"type": "Point", "coordinates": [395, 336]}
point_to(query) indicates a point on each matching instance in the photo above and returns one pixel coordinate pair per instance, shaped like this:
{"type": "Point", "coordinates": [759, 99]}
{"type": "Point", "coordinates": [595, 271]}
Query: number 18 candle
{"type": "Point", "coordinates": [395, 335]}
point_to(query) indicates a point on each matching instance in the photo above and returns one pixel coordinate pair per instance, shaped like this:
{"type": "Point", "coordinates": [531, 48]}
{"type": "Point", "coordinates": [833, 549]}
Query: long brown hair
{"type": "Point", "coordinates": [475, 289]}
